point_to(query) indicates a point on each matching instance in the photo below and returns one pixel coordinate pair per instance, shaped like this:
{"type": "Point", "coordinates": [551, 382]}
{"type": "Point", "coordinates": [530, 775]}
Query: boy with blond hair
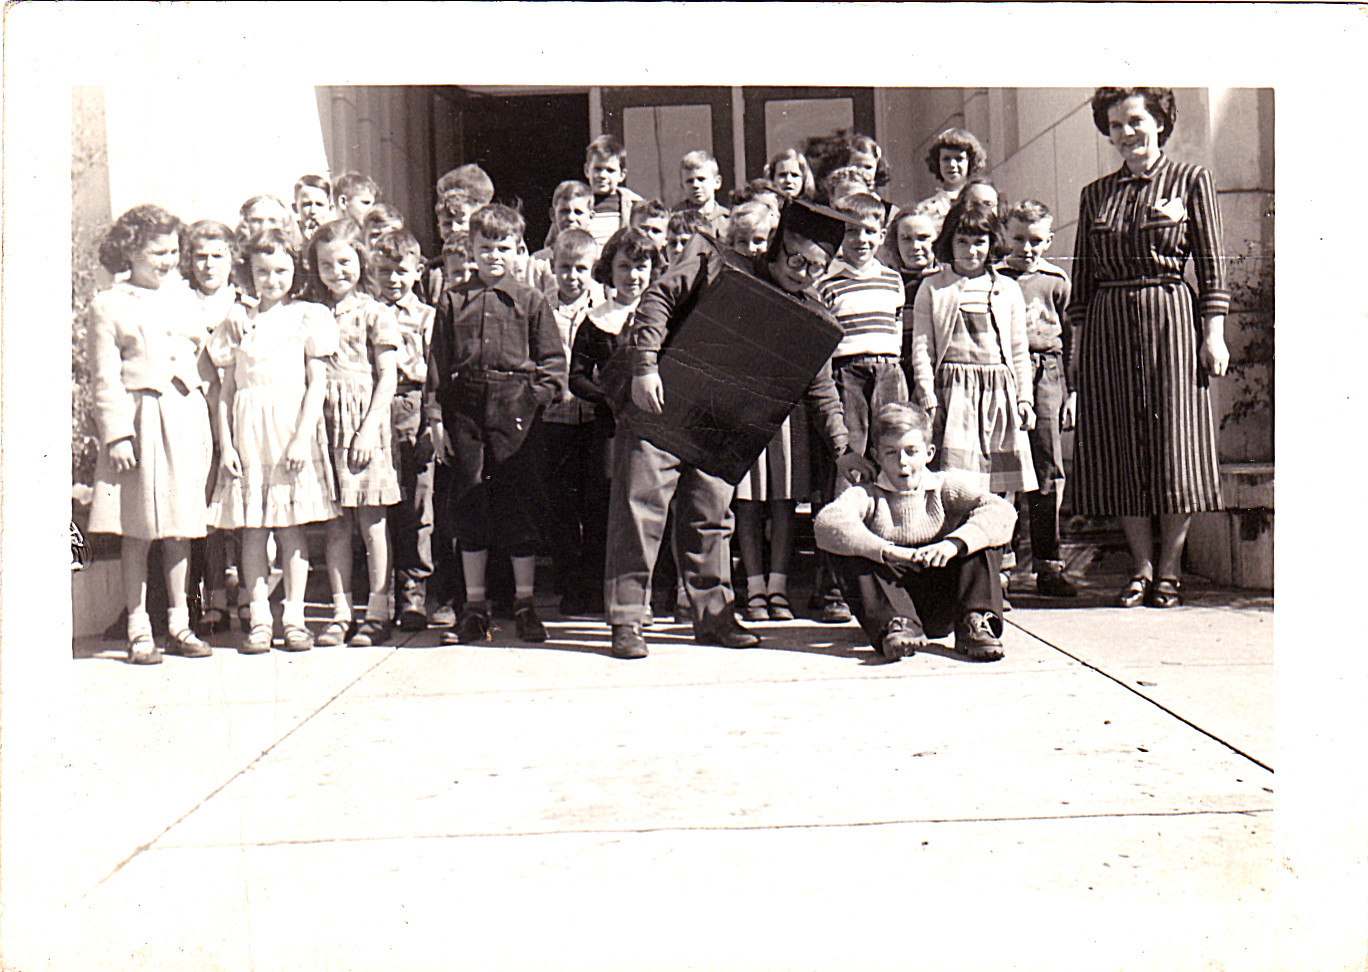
{"type": "Point", "coordinates": [701, 179]}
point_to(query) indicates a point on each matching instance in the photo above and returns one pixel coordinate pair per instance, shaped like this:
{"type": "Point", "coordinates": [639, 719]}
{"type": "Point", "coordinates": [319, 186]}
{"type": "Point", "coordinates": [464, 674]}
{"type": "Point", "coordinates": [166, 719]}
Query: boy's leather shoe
{"type": "Point", "coordinates": [724, 631]}
{"type": "Point", "coordinates": [901, 639]}
{"type": "Point", "coordinates": [978, 635]}
{"type": "Point", "coordinates": [472, 628]}
{"type": "Point", "coordinates": [627, 642]}
{"type": "Point", "coordinates": [526, 623]}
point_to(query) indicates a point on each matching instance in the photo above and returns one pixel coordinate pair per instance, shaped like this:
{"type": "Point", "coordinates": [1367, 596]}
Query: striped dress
{"type": "Point", "coordinates": [1145, 441]}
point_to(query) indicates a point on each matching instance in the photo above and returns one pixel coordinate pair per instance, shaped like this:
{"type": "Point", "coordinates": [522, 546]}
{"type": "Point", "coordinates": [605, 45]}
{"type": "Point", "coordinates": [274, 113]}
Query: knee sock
{"type": "Point", "coordinates": [342, 610]}
{"type": "Point", "coordinates": [177, 620]}
{"type": "Point", "coordinates": [378, 607]}
{"type": "Point", "coordinates": [293, 614]}
{"type": "Point", "coordinates": [755, 585]}
{"type": "Point", "coordinates": [778, 584]}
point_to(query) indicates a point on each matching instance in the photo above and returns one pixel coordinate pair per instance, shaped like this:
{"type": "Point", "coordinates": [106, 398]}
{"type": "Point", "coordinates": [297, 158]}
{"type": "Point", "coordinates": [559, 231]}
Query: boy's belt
{"type": "Point", "coordinates": [404, 387]}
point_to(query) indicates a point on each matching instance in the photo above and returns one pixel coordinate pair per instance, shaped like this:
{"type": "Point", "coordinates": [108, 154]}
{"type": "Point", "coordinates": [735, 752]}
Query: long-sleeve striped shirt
{"type": "Point", "coordinates": [1137, 227]}
{"type": "Point", "coordinates": [867, 302]}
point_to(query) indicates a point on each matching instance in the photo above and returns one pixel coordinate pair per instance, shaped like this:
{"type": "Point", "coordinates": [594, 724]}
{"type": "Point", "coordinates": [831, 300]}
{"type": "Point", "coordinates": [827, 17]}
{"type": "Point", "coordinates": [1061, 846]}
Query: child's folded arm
{"type": "Point", "coordinates": [548, 352]}
{"type": "Point", "coordinates": [989, 520]}
{"type": "Point", "coordinates": [841, 527]}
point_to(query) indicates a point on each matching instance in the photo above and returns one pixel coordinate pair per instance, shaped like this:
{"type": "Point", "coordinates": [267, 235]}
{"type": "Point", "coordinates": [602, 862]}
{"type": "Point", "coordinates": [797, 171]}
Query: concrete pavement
{"type": "Point", "coordinates": [798, 806]}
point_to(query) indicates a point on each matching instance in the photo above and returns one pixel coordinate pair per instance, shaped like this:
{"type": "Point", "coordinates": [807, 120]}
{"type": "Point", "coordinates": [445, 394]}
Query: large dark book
{"type": "Point", "coordinates": [733, 370]}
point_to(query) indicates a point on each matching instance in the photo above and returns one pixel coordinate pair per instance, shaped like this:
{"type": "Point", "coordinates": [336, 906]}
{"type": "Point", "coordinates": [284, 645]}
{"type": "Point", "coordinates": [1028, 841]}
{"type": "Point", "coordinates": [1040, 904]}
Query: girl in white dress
{"type": "Point", "coordinates": [273, 470]}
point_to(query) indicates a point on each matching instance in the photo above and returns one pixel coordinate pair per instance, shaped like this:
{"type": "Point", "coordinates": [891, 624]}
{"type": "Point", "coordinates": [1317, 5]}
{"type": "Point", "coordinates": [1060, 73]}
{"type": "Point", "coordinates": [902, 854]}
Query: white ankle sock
{"type": "Point", "coordinates": [260, 612]}
{"type": "Point", "coordinates": [139, 622]}
{"type": "Point", "coordinates": [177, 620]}
{"type": "Point", "coordinates": [293, 614]}
{"type": "Point", "coordinates": [342, 610]}
{"type": "Point", "coordinates": [378, 607]}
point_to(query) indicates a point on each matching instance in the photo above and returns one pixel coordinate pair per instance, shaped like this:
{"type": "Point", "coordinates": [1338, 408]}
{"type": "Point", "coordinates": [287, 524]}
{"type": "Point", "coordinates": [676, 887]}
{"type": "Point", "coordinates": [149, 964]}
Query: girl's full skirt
{"type": "Point", "coordinates": [267, 494]}
{"type": "Point", "coordinates": [983, 435]}
{"type": "Point", "coordinates": [344, 408]}
{"type": "Point", "coordinates": [163, 495]}
{"type": "Point", "coordinates": [781, 472]}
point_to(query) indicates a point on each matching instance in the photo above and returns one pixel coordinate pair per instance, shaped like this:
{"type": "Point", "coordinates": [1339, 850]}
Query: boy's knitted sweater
{"type": "Point", "coordinates": [867, 518]}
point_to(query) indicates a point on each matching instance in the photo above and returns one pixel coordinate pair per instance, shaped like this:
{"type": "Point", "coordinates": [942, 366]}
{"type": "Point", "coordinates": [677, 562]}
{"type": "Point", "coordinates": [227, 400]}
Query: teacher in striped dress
{"type": "Point", "coordinates": [1146, 347]}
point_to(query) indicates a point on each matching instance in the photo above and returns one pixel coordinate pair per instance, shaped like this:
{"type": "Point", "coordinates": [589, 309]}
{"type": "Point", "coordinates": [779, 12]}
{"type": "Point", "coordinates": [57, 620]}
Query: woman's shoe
{"type": "Point", "coordinates": [757, 608]}
{"type": "Point", "coordinates": [1137, 592]}
{"type": "Point", "coordinates": [1166, 593]}
{"type": "Point", "coordinates": [779, 608]}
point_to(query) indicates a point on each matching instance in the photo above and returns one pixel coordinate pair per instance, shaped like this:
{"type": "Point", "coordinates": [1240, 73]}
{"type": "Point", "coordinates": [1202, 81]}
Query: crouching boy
{"type": "Point", "coordinates": [915, 551]}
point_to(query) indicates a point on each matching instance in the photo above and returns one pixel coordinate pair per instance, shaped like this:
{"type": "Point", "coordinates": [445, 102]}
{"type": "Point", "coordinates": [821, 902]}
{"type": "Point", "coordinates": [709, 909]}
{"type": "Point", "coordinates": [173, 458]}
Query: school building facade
{"type": "Point", "coordinates": [1041, 144]}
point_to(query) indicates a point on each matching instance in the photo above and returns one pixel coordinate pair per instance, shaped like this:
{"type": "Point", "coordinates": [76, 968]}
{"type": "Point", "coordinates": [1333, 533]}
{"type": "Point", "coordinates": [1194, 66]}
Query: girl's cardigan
{"type": "Point", "coordinates": [933, 317]}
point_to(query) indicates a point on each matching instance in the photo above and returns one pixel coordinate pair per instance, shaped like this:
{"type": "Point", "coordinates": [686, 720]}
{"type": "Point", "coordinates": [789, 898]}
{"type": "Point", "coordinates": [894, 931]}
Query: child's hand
{"type": "Point", "coordinates": [855, 468]}
{"type": "Point", "coordinates": [648, 393]}
{"type": "Point", "coordinates": [363, 446]}
{"type": "Point", "coordinates": [935, 554]}
{"type": "Point", "coordinates": [1027, 415]}
{"type": "Point", "coordinates": [121, 455]}
{"type": "Point", "coordinates": [230, 462]}
{"type": "Point", "coordinates": [441, 448]}
{"type": "Point", "coordinates": [1069, 413]}
{"type": "Point", "coordinates": [296, 455]}
{"type": "Point", "coordinates": [901, 559]}
{"type": "Point", "coordinates": [422, 449]}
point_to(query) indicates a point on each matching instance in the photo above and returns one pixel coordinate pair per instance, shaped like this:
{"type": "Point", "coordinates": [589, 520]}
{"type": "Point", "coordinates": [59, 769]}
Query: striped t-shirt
{"type": "Point", "coordinates": [867, 303]}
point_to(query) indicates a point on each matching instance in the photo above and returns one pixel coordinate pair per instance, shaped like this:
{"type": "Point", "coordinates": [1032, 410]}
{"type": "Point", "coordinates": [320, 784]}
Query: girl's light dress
{"type": "Point", "coordinates": [150, 377]}
{"type": "Point", "coordinates": [268, 352]}
{"type": "Point", "coordinates": [365, 327]}
{"type": "Point", "coordinates": [976, 366]}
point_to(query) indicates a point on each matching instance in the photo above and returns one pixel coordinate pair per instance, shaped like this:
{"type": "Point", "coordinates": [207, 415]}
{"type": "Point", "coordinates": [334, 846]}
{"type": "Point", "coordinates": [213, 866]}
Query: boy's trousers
{"type": "Point", "coordinates": [575, 474]}
{"type": "Point", "coordinates": [645, 477]}
{"type": "Point", "coordinates": [936, 597]}
{"type": "Point", "coordinates": [1047, 453]}
{"type": "Point", "coordinates": [410, 520]}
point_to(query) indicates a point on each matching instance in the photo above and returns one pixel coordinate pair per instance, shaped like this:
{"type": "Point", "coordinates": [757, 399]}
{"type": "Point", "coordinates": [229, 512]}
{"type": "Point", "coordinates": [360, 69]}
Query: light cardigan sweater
{"type": "Point", "coordinates": [867, 519]}
{"type": "Point", "coordinates": [933, 318]}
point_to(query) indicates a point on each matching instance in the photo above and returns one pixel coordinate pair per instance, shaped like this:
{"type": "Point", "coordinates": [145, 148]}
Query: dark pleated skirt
{"type": "Point", "coordinates": [1145, 442]}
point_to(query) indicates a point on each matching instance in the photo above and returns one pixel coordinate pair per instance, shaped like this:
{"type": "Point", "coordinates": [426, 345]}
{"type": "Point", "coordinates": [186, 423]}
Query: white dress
{"type": "Point", "coordinates": [267, 352]}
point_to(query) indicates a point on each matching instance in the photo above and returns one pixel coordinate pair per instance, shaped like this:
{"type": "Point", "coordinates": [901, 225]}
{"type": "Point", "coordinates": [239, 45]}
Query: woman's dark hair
{"type": "Point", "coordinates": [1159, 102]}
{"type": "Point", "coordinates": [132, 231]}
{"type": "Point", "coordinates": [969, 219]}
{"type": "Point", "coordinates": [197, 233]}
{"type": "Point", "coordinates": [636, 245]}
{"type": "Point", "coordinates": [265, 242]}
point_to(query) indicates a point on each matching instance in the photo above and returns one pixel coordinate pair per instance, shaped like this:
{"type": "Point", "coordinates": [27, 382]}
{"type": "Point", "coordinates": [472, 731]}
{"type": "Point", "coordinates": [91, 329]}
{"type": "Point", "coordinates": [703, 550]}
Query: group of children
{"type": "Point", "coordinates": [314, 368]}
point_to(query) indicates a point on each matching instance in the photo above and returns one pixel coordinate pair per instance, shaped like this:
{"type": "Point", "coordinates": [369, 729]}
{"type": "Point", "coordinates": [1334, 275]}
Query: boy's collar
{"type": "Point", "coordinates": [841, 264]}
